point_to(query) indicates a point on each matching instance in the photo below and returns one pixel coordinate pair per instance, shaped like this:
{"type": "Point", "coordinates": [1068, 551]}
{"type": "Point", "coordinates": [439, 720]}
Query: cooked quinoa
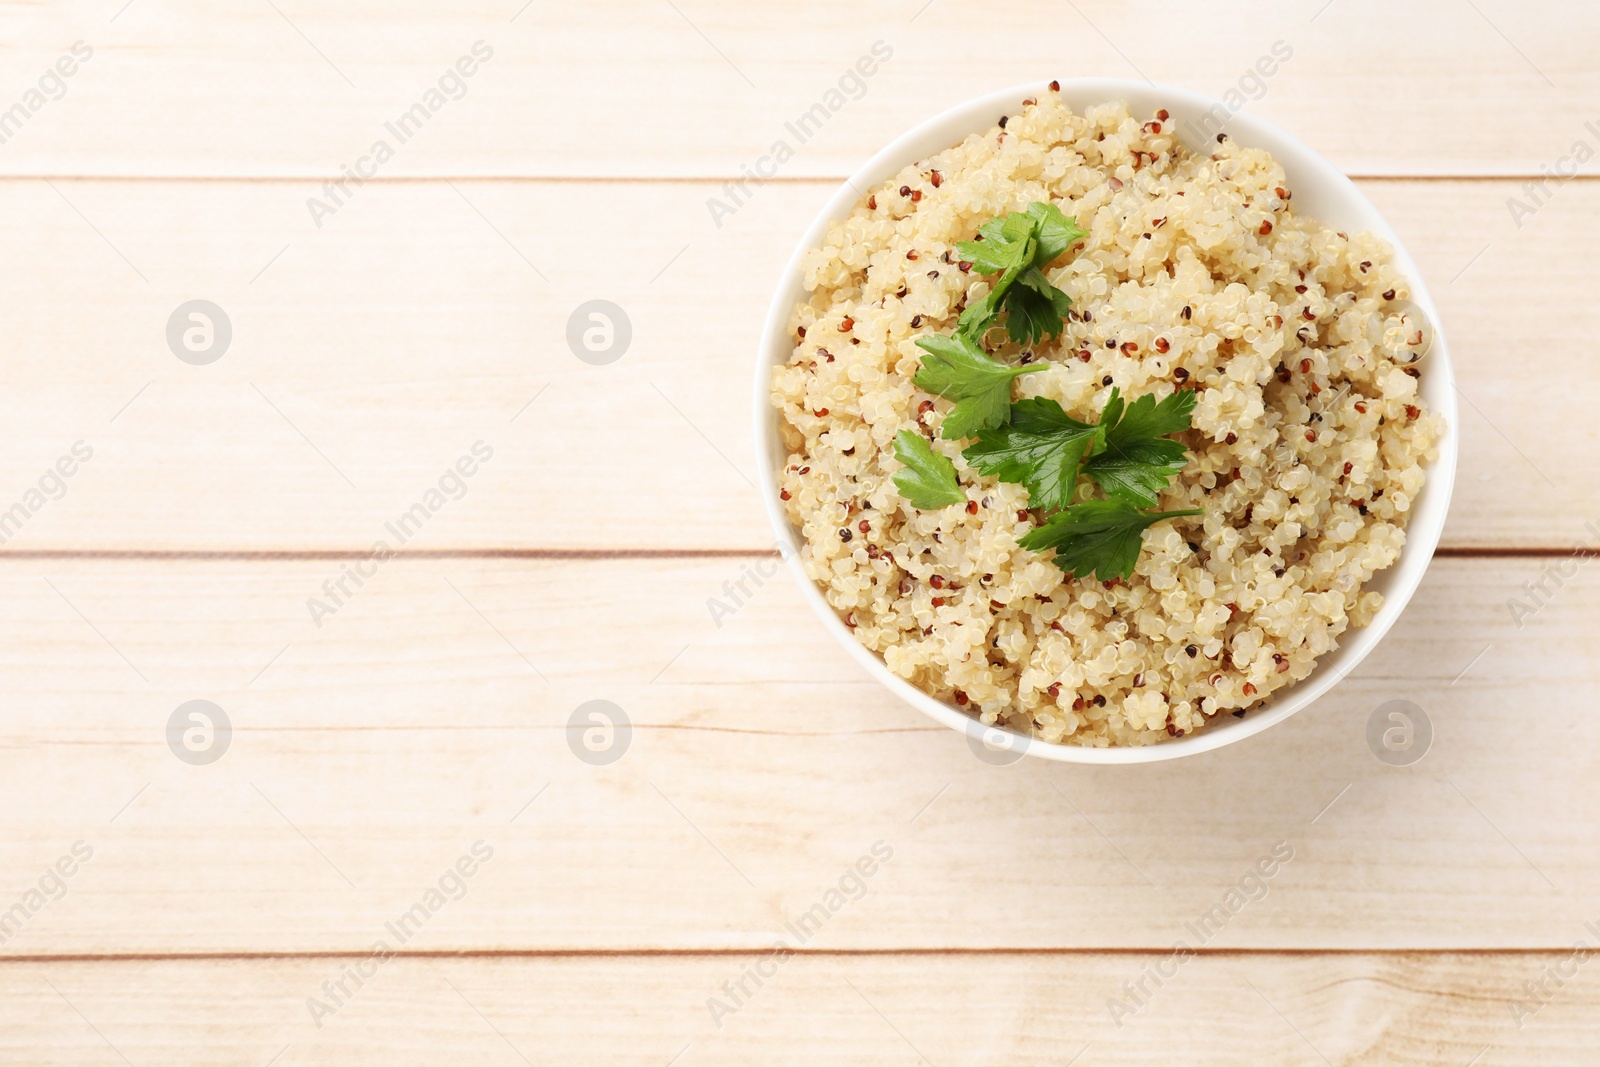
{"type": "Point", "coordinates": [1307, 448]}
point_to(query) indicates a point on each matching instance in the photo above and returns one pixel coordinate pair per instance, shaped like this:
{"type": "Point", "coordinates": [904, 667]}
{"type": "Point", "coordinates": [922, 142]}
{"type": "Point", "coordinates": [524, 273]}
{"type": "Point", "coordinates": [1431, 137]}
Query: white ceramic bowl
{"type": "Point", "coordinates": [1320, 192]}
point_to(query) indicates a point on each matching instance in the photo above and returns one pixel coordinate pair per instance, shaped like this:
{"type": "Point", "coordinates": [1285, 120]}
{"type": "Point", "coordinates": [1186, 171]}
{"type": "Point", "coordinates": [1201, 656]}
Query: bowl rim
{"type": "Point", "coordinates": [1428, 512]}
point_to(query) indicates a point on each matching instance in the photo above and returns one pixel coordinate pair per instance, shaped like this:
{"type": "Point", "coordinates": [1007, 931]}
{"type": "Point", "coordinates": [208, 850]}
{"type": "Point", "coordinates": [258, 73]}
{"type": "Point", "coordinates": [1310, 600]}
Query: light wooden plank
{"type": "Point", "coordinates": [368, 356]}
{"type": "Point", "coordinates": [705, 86]}
{"type": "Point", "coordinates": [988, 1009]}
{"type": "Point", "coordinates": [371, 753]}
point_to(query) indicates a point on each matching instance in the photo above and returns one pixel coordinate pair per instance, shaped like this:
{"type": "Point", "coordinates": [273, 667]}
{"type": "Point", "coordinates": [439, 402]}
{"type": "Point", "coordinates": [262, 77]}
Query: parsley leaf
{"type": "Point", "coordinates": [957, 369]}
{"type": "Point", "coordinates": [976, 319]}
{"type": "Point", "coordinates": [1043, 448]}
{"type": "Point", "coordinates": [1034, 308]}
{"type": "Point", "coordinates": [929, 478]}
{"type": "Point", "coordinates": [1034, 442]}
{"type": "Point", "coordinates": [1146, 417]}
{"type": "Point", "coordinates": [1054, 231]}
{"type": "Point", "coordinates": [1005, 245]}
{"type": "Point", "coordinates": [1138, 460]}
{"type": "Point", "coordinates": [1098, 537]}
{"type": "Point", "coordinates": [1040, 448]}
{"type": "Point", "coordinates": [1018, 247]}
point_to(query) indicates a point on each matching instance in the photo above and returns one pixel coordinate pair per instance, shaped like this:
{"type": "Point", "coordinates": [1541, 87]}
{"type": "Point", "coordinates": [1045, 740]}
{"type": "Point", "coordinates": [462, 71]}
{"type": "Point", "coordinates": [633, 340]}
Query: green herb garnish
{"type": "Point", "coordinates": [1139, 459]}
{"type": "Point", "coordinates": [1041, 447]}
{"type": "Point", "coordinates": [1033, 442]}
{"type": "Point", "coordinates": [1099, 537]}
{"type": "Point", "coordinates": [1126, 453]}
{"type": "Point", "coordinates": [1018, 247]}
{"type": "Point", "coordinates": [957, 369]}
{"type": "Point", "coordinates": [929, 479]}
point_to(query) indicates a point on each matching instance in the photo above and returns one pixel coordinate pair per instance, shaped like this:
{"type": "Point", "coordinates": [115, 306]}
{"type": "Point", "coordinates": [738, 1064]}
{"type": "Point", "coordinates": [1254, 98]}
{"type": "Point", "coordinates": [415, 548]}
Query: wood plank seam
{"type": "Point", "coordinates": [758, 950]}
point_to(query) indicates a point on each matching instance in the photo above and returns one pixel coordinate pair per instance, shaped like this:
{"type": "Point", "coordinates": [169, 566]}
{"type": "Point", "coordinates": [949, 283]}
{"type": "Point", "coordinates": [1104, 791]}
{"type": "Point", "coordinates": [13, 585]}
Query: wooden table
{"type": "Point", "coordinates": [389, 735]}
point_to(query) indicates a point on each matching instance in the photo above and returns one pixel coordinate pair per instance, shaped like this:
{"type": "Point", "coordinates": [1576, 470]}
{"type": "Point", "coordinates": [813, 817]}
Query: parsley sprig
{"type": "Point", "coordinates": [1138, 459]}
{"type": "Point", "coordinates": [1042, 447]}
{"type": "Point", "coordinates": [956, 368]}
{"type": "Point", "coordinates": [929, 479]}
{"type": "Point", "coordinates": [1099, 537]}
{"type": "Point", "coordinates": [1018, 247]}
{"type": "Point", "coordinates": [1128, 453]}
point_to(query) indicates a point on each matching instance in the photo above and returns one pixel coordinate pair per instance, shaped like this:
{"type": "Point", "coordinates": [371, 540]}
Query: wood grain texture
{"type": "Point", "coordinates": [702, 88]}
{"type": "Point", "coordinates": [1024, 1010]}
{"type": "Point", "coordinates": [369, 355]}
{"type": "Point", "coordinates": [430, 714]}
{"type": "Point", "coordinates": [433, 709]}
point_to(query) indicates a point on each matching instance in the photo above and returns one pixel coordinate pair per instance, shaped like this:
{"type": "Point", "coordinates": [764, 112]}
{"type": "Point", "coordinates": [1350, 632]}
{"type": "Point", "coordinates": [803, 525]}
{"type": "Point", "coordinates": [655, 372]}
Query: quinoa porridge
{"type": "Point", "coordinates": [1307, 446]}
